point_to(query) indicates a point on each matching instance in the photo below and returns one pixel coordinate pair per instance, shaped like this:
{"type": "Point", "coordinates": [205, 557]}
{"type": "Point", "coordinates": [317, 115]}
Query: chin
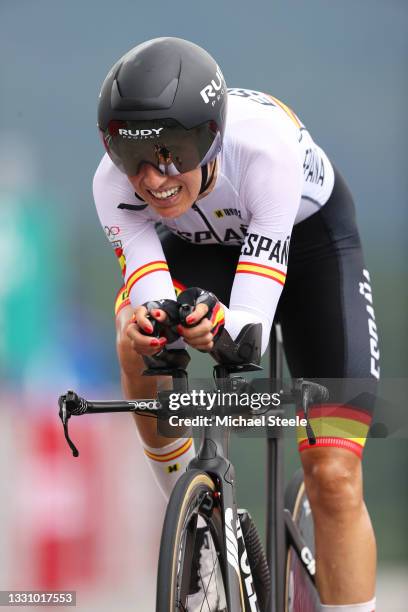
{"type": "Point", "coordinates": [170, 213]}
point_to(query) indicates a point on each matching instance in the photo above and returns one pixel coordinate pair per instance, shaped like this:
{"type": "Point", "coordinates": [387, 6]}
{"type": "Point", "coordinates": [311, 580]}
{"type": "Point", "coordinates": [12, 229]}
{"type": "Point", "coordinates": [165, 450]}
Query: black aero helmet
{"type": "Point", "coordinates": [164, 103]}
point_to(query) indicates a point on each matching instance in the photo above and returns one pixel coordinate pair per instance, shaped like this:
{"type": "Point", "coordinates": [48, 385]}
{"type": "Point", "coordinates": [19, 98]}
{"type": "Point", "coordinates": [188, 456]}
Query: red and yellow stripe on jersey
{"type": "Point", "coordinates": [178, 287]}
{"type": "Point", "coordinates": [341, 426]}
{"type": "Point", "coordinates": [217, 319]}
{"type": "Point", "coordinates": [123, 299]}
{"type": "Point", "coordinates": [122, 260]}
{"type": "Point", "coordinates": [287, 110]}
{"type": "Point", "coordinates": [149, 268]}
{"type": "Point", "coordinates": [173, 454]}
{"type": "Point", "coordinates": [248, 267]}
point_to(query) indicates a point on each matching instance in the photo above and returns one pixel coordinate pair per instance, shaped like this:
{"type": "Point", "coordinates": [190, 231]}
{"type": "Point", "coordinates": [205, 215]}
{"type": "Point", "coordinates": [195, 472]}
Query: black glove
{"type": "Point", "coordinates": [166, 360]}
{"type": "Point", "coordinates": [167, 328]}
{"type": "Point", "coordinates": [193, 296]}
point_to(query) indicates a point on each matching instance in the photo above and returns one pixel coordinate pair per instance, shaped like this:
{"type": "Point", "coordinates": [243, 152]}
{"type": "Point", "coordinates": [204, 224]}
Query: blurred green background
{"type": "Point", "coordinates": [342, 66]}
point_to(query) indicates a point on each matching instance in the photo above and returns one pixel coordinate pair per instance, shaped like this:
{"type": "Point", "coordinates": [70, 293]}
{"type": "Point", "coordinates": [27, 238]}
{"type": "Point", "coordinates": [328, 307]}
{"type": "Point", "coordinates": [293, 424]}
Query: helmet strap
{"type": "Point", "coordinates": [204, 177]}
{"type": "Point", "coordinates": [205, 181]}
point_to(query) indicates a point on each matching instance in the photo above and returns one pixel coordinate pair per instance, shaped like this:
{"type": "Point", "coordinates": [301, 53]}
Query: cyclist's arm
{"type": "Point", "coordinates": [271, 189]}
{"type": "Point", "coordinates": [133, 237]}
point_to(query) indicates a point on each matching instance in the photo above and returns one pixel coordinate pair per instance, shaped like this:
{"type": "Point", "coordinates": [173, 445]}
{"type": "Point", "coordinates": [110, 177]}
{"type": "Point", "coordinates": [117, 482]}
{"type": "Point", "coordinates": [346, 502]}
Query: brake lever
{"type": "Point", "coordinates": [70, 404]}
{"type": "Point", "coordinates": [306, 401]}
{"type": "Point", "coordinates": [310, 392]}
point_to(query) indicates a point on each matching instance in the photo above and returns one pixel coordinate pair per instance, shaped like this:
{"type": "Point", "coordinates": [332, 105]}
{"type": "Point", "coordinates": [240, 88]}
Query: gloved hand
{"type": "Point", "coordinates": [153, 325]}
{"type": "Point", "coordinates": [202, 318]}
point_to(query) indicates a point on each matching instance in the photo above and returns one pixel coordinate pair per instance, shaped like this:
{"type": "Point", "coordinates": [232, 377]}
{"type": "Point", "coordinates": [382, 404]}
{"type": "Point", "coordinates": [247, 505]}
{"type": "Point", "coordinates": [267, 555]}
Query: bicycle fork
{"type": "Point", "coordinates": [239, 584]}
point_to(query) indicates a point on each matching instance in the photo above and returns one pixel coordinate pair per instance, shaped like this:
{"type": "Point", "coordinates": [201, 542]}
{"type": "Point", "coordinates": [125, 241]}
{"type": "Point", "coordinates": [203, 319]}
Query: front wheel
{"type": "Point", "coordinates": [300, 593]}
{"type": "Point", "coordinates": [191, 561]}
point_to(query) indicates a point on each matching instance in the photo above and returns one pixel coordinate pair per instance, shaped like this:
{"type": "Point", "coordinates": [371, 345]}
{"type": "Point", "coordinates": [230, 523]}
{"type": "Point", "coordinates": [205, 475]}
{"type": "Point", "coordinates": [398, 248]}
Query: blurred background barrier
{"type": "Point", "coordinates": [89, 524]}
{"type": "Point", "coordinates": [342, 66]}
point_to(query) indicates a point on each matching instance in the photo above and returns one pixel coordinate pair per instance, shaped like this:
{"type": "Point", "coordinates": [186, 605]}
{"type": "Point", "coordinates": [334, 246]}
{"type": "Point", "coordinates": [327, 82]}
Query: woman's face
{"type": "Point", "coordinates": [169, 196]}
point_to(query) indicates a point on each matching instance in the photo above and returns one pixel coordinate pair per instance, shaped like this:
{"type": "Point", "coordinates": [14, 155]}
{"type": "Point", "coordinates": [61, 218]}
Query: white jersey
{"type": "Point", "coordinates": [271, 175]}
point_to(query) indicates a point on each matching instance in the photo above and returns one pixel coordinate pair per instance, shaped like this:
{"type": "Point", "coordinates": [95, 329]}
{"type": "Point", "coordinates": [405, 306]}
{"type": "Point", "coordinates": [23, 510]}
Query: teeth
{"type": "Point", "coordinates": [161, 195]}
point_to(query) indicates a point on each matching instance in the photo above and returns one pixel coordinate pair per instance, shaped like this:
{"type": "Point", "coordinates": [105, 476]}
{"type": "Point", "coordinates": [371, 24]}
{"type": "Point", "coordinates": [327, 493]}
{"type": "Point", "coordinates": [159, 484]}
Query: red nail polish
{"type": "Point", "coordinates": [156, 313]}
{"type": "Point", "coordinates": [148, 329]}
{"type": "Point", "coordinates": [190, 319]}
{"type": "Point", "coordinates": [179, 329]}
{"type": "Point", "coordinates": [162, 340]}
{"type": "Point", "coordinates": [154, 342]}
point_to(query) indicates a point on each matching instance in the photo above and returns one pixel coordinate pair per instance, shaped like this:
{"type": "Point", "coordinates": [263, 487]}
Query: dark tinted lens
{"type": "Point", "coordinates": [166, 145]}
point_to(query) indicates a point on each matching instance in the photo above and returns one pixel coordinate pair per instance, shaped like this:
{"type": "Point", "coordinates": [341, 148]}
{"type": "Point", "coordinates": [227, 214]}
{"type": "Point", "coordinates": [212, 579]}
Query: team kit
{"type": "Point", "coordinates": [227, 218]}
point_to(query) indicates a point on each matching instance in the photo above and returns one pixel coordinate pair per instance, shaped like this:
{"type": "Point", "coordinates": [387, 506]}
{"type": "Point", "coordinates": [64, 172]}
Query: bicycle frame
{"type": "Point", "coordinates": [213, 458]}
{"type": "Point", "coordinates": [275, 522]}
{"type": "Point", "coordinates": [281, 530]}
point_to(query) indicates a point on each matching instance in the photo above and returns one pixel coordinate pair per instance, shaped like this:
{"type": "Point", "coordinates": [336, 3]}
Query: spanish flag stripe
{"type": "Point", "coordinates": [215, 329]}
{"type": "Point", "coordinates": [120, 305]}
{"type": "Point", "coordinates": [347, 433]}
{"type": "Point", "coordinates": [215, 311]}
{"type": "Point", "coordinates": [217, 315]}
{"type": "Point", "coordinates": [121, 291]}
{"type": "Point", "coordinates": [348, 426]}
{"type": "Point", "coordinates": [219, 318]}
{"type": "Point", "coordinates": [287, 110]}
{"type": "Point", "coordinates": [270, 276]}
{"type": "Point", "coordinates": [343, 412]}
{"type": "Point", "coordinates": [153, 266]}
{"type": "Point", "coordinates": [334, 442]}
{"type": "Point", "coordinates": [252, 264]}
{"type": "Point", "coordinates": [251, 268]}
{"type": "Point", "coordinates": [121, 300]}
{"type": "Point", "coordinates": [178, 287]}
{"type": "Point", "coordinates": [170, 456]}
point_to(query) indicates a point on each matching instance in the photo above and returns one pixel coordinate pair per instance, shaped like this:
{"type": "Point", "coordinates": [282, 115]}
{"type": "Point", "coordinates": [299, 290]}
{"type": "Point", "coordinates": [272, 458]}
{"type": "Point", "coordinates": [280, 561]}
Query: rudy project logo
{"type": "Point", "coordinates": [140, 134]}
{"type": "Point", "coordinates": [214, 89]}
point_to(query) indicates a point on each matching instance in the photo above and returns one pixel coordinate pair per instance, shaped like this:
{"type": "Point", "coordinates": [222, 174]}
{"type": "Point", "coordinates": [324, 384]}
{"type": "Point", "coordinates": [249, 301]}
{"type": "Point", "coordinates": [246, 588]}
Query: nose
{"type": "Point", "coordinates": [151, 177]}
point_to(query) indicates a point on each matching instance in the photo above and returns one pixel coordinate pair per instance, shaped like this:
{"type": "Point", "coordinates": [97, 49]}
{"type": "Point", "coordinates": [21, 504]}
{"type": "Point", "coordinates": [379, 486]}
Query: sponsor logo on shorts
{"type": "Point", "coordinates": [365, 290]}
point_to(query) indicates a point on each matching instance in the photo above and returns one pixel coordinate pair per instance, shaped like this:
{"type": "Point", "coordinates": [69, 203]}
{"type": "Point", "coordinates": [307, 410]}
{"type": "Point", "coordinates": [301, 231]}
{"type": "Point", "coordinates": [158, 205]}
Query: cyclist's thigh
{"type": "Point", "coordinates": [326, 309]}
{"type": "Point", "coordinates": [209, 266]}
{"type": "Point", "coordinates": [328, 323]}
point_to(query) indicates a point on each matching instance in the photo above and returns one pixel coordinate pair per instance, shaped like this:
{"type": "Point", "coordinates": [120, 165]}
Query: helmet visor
{"type": "Point", "coordinates": [165, 144]}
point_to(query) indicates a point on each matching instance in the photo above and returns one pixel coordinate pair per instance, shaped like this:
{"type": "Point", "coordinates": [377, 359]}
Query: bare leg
{"type": "Point", "coordinates": [344, 536]}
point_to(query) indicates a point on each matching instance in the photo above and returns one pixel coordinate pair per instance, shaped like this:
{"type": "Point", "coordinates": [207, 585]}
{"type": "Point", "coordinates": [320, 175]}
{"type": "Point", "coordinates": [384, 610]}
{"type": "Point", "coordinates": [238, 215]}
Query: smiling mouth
{"type": "Point", "coordinates": [165, 194]}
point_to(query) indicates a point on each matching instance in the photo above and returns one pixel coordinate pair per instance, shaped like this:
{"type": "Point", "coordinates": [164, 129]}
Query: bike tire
{"type": "Point", "coordinates": [300, 593]}
{"type": "Point", "coordinates": [177, 544]}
